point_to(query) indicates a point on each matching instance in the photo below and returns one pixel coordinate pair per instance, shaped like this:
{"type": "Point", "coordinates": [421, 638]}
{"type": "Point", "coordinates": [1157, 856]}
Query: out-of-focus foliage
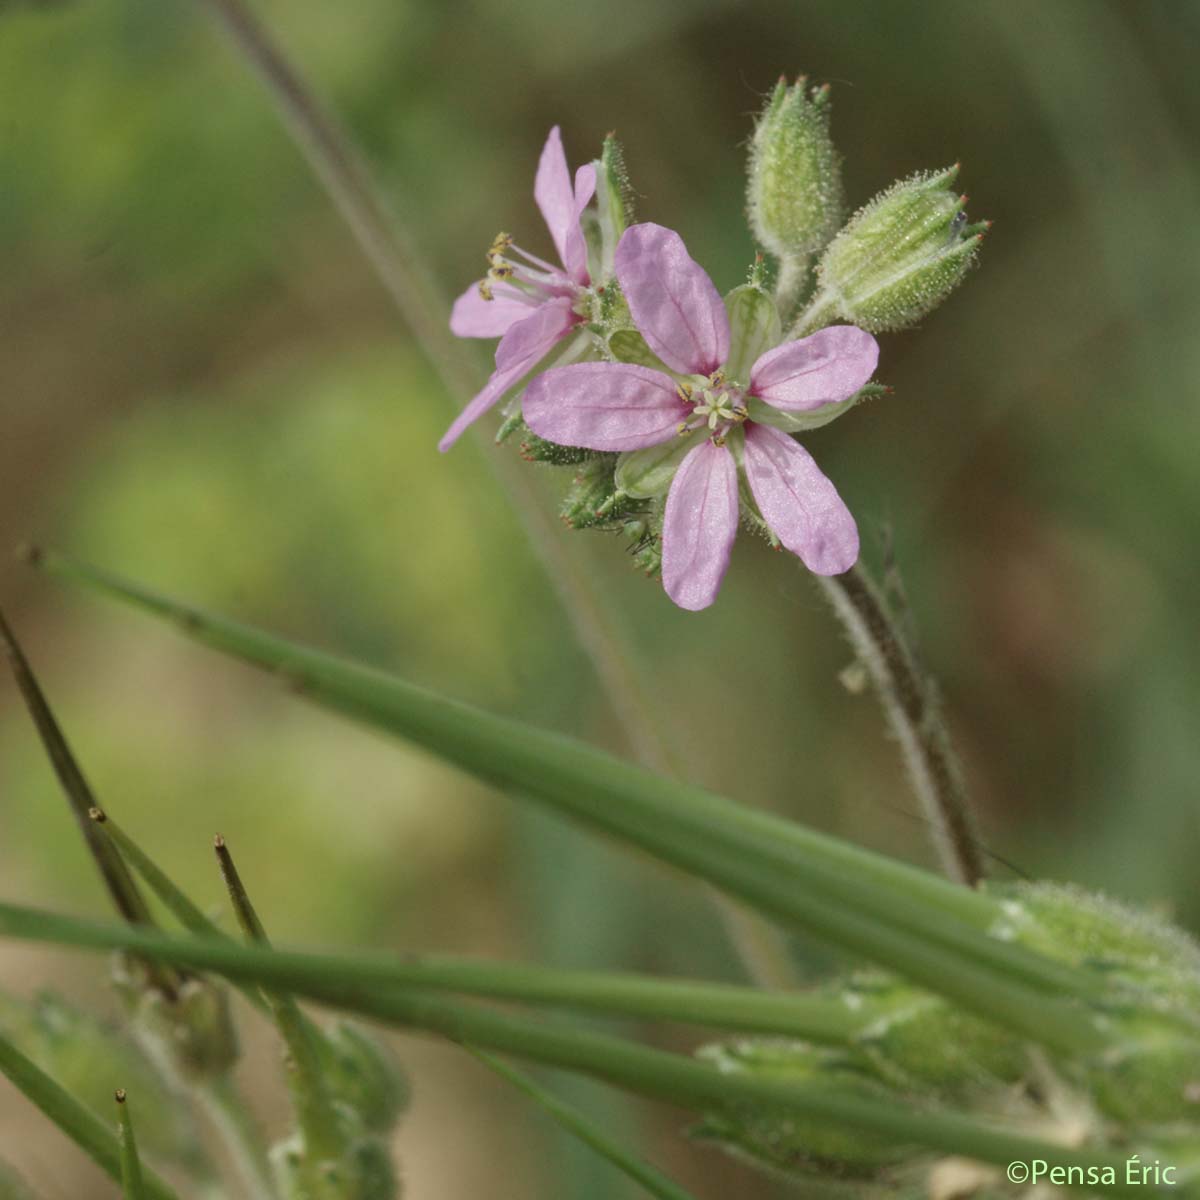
{"type": "Point", "coordinates": [204, 387]}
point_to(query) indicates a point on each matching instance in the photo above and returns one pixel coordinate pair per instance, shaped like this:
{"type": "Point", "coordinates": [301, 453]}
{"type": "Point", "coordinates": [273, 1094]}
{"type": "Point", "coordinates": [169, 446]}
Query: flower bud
{"type": "Point", "coordinates": [794, 195]}
{"type": "Point", "coordinates": [365, 1076]}
{"type": "Point", "coordinates": [191, 1033]}
{"type": "Point", "coordinates": [786, 1140]}
{"type": "Point", "coordinates": [900, 256]}
{"type": "Point", "coordinates": [366, 1172]}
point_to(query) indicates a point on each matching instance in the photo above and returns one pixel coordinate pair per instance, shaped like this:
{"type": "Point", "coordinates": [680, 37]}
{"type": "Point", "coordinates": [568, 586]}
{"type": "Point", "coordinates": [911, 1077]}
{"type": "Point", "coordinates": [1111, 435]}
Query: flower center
{"type": "Point", "coordinates": [715, 402]}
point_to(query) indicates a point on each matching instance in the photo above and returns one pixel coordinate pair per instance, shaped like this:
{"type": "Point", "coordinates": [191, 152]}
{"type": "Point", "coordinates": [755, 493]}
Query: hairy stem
{"type": "Point", "coordinates": [342, 172]}
{"type": "Point", "coordinates": [911, 705]}
{"type": "Point", "coordinates": [226, 1113]}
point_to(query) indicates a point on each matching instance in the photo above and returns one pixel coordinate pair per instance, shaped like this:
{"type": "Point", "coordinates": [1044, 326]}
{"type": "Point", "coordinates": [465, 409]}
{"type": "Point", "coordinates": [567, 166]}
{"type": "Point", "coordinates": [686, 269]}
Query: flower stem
{"type": "Point", "coordinates": [226, 1113]}
{"type": "Point", "coordinates": [790, 284]}
{"type": "Point", "coordinates": [911, 705]}
{"type": "Point", "coordinates": [816, 316]}
{"type": "Point", "coordinates": [390, 252]}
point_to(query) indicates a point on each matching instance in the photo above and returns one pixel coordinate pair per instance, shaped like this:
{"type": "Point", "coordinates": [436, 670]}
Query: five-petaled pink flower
{"type": "Point", "coordinates": [530, 304]}
{"type": "Point", "coordinates": [622, 406]}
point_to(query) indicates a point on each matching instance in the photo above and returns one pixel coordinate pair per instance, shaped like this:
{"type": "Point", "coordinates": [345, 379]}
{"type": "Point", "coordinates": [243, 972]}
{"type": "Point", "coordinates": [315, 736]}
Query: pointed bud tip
{"type": "Point", "coordinates": [97, 814]}
{"type": "Point", "coordinates": [119, 1095]}
{"type": "Point", "coordinates": [218, 842]}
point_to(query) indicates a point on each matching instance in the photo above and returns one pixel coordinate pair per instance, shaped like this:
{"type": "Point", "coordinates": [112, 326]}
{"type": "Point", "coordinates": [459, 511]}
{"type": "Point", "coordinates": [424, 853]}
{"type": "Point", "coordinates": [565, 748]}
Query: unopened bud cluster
{"type": "Point", "coordinates": [916, 1048]}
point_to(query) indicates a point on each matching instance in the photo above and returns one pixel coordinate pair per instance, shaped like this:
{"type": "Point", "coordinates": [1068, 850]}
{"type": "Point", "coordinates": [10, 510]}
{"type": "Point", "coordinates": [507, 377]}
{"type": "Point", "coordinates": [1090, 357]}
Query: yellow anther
{"type": "Point", "coordinates": [719, 440]}
{"type": "Point", "coordinates": [500, 243]}
{"type": "Point", "coordinates": [741, 412]}
{"type": "Point", "coordinates": [485, 290]}
{"type": "Point", "coordinates": [682, 429]}
{"type": "Point", "coordinates": [717, 378]}
{"type": "Point", "coordinates": [503, 271]}
{"type": "Point", "coordinates": [684, 392]}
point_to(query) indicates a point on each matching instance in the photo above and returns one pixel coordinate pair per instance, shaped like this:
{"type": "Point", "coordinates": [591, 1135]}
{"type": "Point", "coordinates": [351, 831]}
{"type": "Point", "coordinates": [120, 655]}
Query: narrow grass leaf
{"type": "Point", "coordinates": [577, 1123]}
{"type": "Point", "coordinates": [133, 1186]}
{"type": "Point", "coordinates": [344, 980]}
{"type": "Point", "coordinates": [847, 896]}
{"type": "Point", "coordinates": [92, 1135]}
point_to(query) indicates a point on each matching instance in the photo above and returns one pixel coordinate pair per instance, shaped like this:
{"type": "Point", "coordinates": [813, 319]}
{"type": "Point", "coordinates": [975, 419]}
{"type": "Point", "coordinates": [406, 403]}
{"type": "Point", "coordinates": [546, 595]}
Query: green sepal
{"type": "Point", "coordinates": [648, 472]}
{"type": "Point", "coordinates": [593, 498]}
{"type": "Point", "coordinates": [754, 328]}
{"type": "Point", "coordinates": [628, 346]}
{"type": "Point", "coordinates": [763, 413]}
{"type": "Point", "coordinates": [614, 199]}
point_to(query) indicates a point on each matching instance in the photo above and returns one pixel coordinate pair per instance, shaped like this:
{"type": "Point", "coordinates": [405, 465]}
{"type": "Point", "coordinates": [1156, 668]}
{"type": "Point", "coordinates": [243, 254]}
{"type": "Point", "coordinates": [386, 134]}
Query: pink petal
{"type": "Point", "coordinates": [603, 406]}
{"type": "Point", "coordinates": [574, 249]}
{"type": "Point", "coordinates": [699, 526]}
{"type": "Point", "coordinates": [824, 368]}
{"type": "Point", "coordinates": [520, 350]}
{"type": "Point", "coordinates": [673, 301]}
{"type": "Point", "coordinates": [799, 504]}
{"type": "Point", "coordinates": [556, 198]}
{"type": "Point", "coordinates": [473, 316]}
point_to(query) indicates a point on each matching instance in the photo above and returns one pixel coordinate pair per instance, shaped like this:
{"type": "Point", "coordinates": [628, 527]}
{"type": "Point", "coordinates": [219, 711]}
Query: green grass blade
{"type": "Point", "coordinates": [176, 901]}
{"type": "Point", "coordinates": [80, 1124]}
{"type": "Point", "coordinates": [133, 1186]}
{"type": "Point", "coordinates": [345, 979]}
{"type": "Point", "coordinates": [921, 927]}
{"type": "Point", "coordinates": [687, 1082]}
{"type": "Point", "coordinates": [315, 1113]}
{"type": "Point", "coordinates": [115, 874]}
{"type": "Point", "coordinates": [575, 1122]}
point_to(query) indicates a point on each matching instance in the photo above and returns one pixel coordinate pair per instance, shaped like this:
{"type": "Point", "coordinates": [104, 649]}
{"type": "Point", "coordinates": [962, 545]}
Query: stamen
{"type": "Point", "coordinates": [503, 271]}
{"type": "Point", "coordinates": [740, 412]}
{"type": "Point", "coordinates": [682, 429]}
{"type": "Point", "coordinates": [719, 440]}
{"type": "Point", "coordinates": [485, 290]}
{"type": "Point", "coordinates": [717, 378]}
{"type": "Point", "coordinates": [684, 392]}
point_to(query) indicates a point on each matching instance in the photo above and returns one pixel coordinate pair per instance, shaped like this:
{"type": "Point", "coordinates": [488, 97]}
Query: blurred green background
{"type": "Point", "coordinates": [205, 388]}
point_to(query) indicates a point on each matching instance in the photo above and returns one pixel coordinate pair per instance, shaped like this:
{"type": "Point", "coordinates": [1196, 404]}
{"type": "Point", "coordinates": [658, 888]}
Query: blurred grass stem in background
{"type": "Point", "coordinates": [341, 170]}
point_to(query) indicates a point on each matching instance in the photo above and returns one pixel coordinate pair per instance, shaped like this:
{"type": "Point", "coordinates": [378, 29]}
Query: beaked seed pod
{"type": "Point", "coordinates": [794, 192]}
{"type": "Point", "coordinates": [901, 255]}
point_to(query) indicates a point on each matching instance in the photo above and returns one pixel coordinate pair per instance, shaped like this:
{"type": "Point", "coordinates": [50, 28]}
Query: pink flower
{"type": "Point", "coordinates": [530, 304]}
{"type": "Point", "coordinates": [624, 407]}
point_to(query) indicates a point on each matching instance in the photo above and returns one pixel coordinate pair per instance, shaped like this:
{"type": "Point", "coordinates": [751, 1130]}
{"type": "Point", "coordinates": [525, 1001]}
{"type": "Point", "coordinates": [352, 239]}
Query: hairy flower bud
{"type": "Point", "coordinates": [365, 1076]}
{"type": "Point", "coordinates": [190, 1033]}
{"type": "Point", "coordinates": [901, 255]}
{"type": "Point", "coordinates": [794, 195]}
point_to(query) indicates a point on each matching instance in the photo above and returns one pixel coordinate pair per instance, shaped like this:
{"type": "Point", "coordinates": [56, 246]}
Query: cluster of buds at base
{"type": "Point", "coordinates": [916, 1049]}
{"type": "Point", "coordinates": [901, 255]}
{"type": "Point", "coordinates": [794, 190]}
{"type": "Point", "coordinates": [364, 1172]}
{"type": "Point", "coordinates": [187, 1031]}
{"type": "Point", "coordinates": [370, 1093]}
